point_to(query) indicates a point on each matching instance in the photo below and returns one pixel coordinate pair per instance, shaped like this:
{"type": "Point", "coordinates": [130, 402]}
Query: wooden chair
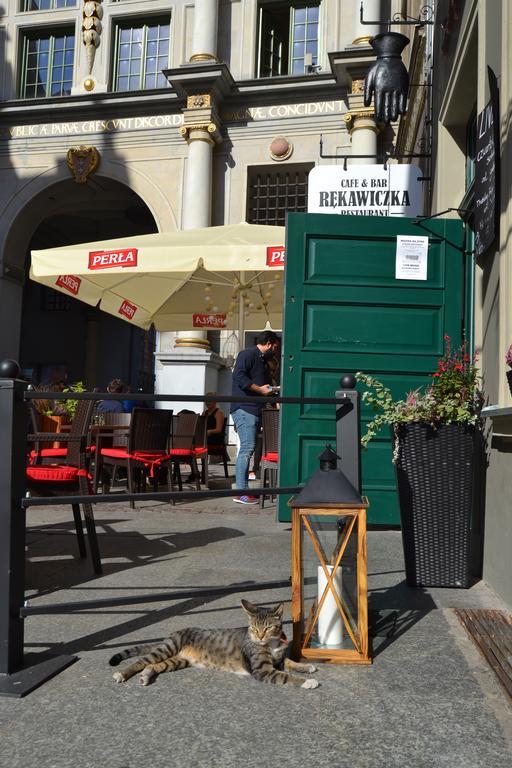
{"type": "Point", "coordinates": [42, 451]}
{"type": "Point", "coordinates": [109, 430]}
{"type": "Point", "coordinates": [188, 444]}
{"type": "Point", "coordinates": [146, 450]}
{"type": "Point", "coordinates": [70, 477]}
{"type": "Point", "coordinates": [270, 454]}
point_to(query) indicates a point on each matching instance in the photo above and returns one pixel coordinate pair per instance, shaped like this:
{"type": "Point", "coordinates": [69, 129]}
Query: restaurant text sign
{"type": "Point", "coordinates": [365, 190]}
{"type": "Point", "coordinates": [487, 141]}
{"type": "Point", "coordinates": [126, 257]}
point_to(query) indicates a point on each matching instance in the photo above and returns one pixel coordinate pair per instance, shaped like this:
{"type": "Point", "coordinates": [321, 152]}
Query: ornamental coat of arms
{"type": "Point", "coordinates": [82, 161]}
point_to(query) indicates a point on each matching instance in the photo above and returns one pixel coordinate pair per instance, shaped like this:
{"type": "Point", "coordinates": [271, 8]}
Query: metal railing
{"type": "Point", "coordinates": [14, 396]}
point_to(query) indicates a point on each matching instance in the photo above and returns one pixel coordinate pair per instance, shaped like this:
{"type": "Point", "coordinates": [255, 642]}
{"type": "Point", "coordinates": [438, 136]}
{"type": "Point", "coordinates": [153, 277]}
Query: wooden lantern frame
{"type": "Point", "coordinates": [303, 628]}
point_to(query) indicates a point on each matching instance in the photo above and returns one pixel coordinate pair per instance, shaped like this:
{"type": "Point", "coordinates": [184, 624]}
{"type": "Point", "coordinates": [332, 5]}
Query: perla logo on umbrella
{"type": "Point", "coordinates": [107, 259]}
{"type": "Point", "coordinates": [275, 256]}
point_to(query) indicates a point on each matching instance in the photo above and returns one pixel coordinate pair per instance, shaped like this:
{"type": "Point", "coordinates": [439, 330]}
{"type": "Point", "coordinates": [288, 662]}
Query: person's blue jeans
{"type": "Point", "coordinates": [246, 425]}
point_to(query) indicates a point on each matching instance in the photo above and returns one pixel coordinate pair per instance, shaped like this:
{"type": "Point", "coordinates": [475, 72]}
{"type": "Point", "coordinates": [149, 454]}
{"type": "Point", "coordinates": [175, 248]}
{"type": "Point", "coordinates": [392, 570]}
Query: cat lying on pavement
{"type": "Point", "coordinates": [258, 650]}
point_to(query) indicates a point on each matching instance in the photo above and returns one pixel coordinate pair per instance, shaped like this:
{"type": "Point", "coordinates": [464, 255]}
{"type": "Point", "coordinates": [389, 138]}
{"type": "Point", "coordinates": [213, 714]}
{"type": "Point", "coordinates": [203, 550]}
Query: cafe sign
{"type": "Point", "coordinates": [366, 190]}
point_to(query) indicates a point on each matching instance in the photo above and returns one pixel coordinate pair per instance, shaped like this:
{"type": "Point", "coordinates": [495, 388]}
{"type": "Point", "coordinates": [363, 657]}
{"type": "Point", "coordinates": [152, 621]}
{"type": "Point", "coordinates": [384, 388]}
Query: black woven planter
{"type": "Point", "coordinates": [509, 379]}
{"type": "Point", "coordinates": [437, 475]}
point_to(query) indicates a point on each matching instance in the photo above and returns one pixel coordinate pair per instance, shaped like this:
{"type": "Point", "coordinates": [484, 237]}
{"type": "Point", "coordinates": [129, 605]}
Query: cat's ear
{"type": "Point", "coordinates": [249, 607]}
{"type": "Point", "coordinates": [278, 611]}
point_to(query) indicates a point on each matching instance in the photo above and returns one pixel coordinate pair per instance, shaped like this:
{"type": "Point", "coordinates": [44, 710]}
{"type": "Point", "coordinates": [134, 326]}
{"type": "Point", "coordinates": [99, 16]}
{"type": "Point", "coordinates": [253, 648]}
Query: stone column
{"type": "Point", "coordinates": [363, 131]}
{"type": "Point", "coordinates": [204, 36]}
{"type": "Point", "coordinates": [363, 33]}
{"type": "Point", "coordinates": [201, 134]}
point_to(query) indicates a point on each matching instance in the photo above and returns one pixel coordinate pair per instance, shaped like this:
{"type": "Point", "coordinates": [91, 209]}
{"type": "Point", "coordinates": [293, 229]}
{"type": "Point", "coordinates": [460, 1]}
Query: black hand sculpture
{"type": "Point", "coordinates": [387, 78]}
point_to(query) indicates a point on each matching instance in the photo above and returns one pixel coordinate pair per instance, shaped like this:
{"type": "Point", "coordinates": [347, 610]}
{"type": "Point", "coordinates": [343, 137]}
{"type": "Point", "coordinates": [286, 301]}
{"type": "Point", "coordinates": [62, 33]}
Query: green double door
{"type": "Point", "coordinates": [345, 311]}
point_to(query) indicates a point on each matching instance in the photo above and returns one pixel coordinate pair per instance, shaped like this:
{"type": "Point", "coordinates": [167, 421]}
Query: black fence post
{"type": "Point", "coordinates": [348, 431]}
{"type": "Point", "coordinates": [15, 680]}
{"type": "Point", "coordinates": [13, 418]}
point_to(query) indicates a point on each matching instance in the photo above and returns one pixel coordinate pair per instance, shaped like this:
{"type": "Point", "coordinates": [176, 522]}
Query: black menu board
{"type": "Point", "coordinates": [486, 182]}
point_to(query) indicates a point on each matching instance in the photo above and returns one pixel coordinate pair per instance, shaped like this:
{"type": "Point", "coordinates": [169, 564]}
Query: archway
{"type": "Point", "coordinates": [59, 335]}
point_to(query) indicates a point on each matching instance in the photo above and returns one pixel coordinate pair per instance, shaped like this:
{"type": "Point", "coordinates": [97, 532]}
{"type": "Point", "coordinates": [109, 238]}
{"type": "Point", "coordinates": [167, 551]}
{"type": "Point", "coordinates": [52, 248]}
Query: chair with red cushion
{"type": "Point", "coordinates": [188, 445]}
{"type": "Point", "coordinates": [146, 452]}
{"type": "Point", "coordinates": [70, 477]}
{"type": "Point", "coordinates": [270, 454]}
{"type": "Point", "coordinates": [40, 452]}
{"type": "Point", "coordinates": [219, 448]}
{"type": "Point", "coordinates": [109, 430]}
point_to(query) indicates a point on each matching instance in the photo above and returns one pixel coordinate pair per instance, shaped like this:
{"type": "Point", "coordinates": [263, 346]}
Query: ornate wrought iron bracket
{"type": "Point", "coordinates": [426, 16]}
{"type": "Point", "coordinates": [417, 219]}
{"type": "Point", "coordinates": [385, 157]}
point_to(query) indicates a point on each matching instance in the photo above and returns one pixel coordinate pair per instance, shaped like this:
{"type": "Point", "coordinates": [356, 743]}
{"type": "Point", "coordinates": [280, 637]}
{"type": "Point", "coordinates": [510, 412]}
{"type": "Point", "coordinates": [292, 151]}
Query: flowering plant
{"type": "Point", "coordinates": [454, 396]}
{"type": "Point", "coordinates": [508, 356]}
{"type": "Point", "coordinates": [65, 408]}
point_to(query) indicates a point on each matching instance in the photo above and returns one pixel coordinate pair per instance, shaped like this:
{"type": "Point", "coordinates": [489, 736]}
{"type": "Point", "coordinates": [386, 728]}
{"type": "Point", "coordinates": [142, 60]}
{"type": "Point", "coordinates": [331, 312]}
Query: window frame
{"type": "Point", "coordinates": [275, 171]}
{"type": "Point", "coordinates": [29, 33]}
{"type": "Point", "coordinates": [53, 7]}
{"type": "Point", "coordinates": [292, 7]}
{"type": "Point", "coordinates": [135, 22]}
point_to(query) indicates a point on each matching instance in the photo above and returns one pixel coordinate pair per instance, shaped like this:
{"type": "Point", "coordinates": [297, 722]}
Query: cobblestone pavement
{"type": "Point", "coordinates": [429, 699]}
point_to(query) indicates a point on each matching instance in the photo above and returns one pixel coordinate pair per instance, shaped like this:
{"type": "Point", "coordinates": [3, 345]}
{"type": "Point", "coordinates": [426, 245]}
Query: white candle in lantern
{"type": "Point", "coordinates": [330, 621]}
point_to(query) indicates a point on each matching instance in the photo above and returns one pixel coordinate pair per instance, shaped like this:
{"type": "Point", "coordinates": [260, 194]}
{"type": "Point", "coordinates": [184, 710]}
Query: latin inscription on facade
{"type": "Point", "coordinates": [155, 122]}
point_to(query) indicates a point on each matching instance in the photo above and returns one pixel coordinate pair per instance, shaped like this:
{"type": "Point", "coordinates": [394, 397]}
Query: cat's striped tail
{"type": "Point", "coordinates": [137, 650]}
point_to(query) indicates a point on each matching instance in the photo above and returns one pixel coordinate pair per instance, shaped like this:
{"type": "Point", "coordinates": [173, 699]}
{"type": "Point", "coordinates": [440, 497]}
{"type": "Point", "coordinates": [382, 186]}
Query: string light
{"type": "Point", "coordinates": [251, 296]}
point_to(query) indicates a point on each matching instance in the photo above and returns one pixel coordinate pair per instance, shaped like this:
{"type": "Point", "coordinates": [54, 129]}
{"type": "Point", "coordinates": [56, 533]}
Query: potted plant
{"type": "Point", "coordinates": [438, 452]}
{"type": "Point", "coordinates": [508, 360]}
{"type": "Point", "coordinates": [56, 413]}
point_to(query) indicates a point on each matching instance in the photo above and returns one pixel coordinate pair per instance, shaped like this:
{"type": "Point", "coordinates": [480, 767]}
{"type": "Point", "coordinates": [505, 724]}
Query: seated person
{"type": "Point", "coordinates": [112, 406]}
{"type": "Point", "coordinates": [214, 421]}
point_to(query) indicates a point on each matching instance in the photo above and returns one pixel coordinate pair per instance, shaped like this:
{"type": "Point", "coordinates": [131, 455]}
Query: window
{"type": "Point", "coordinates": [470, 150]}
{"type": "Point", "coordinates": [47, 64]}
{"type": "Point", "coordinates": [53, 301]}
{"type": "Point", "coordinates": [46, 5]}
{"type": "Point", "coordinates": [288, 38]}
{"type": "Point", "coordinates": [271, 193]}
{"type": "Point", "coordinates": [141, 53]}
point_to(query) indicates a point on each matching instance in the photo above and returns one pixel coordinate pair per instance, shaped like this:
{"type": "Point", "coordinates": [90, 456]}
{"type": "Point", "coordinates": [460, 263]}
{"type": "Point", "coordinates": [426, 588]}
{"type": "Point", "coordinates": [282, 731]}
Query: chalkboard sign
{"type": "Point", "coordinates": [486, 184]}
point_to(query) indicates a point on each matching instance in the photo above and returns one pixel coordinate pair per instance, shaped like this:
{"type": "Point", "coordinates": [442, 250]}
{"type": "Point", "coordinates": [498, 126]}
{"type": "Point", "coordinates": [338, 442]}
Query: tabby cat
{"type": "Point", "coordinates": [259, 651]}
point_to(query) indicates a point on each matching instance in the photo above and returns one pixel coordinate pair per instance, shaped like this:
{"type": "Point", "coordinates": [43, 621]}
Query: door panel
{"type": "Point", "coordinates": [345, 312]}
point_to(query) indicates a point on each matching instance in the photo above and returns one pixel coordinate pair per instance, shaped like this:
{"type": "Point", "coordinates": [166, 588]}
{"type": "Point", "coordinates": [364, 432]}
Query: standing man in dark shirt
{"type": "Point", "coordinates": [250, 377]}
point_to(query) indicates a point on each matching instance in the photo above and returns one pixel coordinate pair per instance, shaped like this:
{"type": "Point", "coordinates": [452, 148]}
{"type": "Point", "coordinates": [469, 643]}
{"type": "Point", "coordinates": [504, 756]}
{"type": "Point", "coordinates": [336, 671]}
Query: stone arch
{"type": "Point", "coordinates": [28, 207]}
{"type": "Point", "coordinates": [53, 195]}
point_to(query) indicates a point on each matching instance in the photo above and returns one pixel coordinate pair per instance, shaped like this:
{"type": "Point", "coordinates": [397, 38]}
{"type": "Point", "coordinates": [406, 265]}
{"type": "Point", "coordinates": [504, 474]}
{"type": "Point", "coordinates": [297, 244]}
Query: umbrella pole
{"type": "Point", "coordinates": [241, 314]}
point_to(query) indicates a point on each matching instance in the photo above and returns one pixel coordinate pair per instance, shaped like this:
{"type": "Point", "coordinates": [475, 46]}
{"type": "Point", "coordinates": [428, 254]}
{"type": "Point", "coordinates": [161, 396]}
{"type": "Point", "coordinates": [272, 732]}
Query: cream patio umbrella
{"type": "Point", "coordinates": [215, 277]}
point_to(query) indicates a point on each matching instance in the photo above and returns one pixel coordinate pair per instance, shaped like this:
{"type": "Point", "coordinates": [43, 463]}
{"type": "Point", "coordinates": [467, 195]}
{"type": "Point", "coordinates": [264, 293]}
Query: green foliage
{"type": "Point", "coordinates": [453, 396]}
{"type": "Point", "coordinates": [70, 405]}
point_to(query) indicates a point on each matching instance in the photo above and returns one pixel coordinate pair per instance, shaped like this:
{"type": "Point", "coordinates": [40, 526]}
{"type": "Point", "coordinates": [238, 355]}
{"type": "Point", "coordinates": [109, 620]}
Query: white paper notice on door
{"type": "Point", "coordinates": [411, 257]}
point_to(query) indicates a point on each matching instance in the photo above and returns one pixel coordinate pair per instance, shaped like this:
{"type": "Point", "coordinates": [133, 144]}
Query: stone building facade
{"type": "Point", "coordinates": [471, 37]}
{"type": "Point", "coordinates": [177, 115]}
